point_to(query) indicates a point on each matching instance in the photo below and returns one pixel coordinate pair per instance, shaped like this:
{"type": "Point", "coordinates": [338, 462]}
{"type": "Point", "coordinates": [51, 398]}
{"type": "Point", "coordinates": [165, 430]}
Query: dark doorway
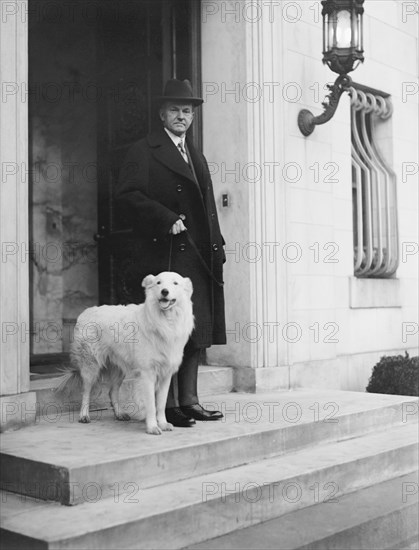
{"type": "Point", "coordinates": [93, 71]}
{"type": "Point", "coordinates": [138, 51]}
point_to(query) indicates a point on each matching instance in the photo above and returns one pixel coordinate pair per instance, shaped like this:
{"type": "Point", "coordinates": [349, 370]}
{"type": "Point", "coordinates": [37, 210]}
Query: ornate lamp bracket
{"type": "Point", "coordinates": [307, 121]}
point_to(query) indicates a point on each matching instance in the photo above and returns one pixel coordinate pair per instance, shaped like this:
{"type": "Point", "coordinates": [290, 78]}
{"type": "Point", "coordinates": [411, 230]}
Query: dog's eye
{"type": "Point", "coordinates": [159, 282]}
{"type": "Point", "coordinates": [175, 283]}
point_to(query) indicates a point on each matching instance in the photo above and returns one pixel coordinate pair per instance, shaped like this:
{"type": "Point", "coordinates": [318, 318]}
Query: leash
{"type": "Point", "coordinates": [170, 253]}
{"type": "Point", "coordinates": [203, 262]}
{"type": "Point", "coordinates": [200, 258]}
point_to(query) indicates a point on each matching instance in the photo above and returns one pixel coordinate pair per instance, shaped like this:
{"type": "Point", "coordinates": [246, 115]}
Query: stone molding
{"type": "Point", "coordinates": [14, 267]}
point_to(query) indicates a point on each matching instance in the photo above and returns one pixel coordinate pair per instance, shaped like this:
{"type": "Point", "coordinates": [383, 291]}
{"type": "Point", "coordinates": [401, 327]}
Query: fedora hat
{"type": "Point", "coordinates": [179, 90]}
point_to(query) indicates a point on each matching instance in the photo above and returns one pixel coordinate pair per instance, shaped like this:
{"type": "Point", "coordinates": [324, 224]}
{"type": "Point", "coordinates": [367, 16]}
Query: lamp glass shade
{"type": "Point", "coordinates": [342, 34]}
{"type": "Point", "coordinates": [343, 29]}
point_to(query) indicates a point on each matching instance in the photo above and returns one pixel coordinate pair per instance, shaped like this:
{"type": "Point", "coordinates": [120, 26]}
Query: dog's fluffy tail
{"type": "Point", "coordinates": [70, 381]}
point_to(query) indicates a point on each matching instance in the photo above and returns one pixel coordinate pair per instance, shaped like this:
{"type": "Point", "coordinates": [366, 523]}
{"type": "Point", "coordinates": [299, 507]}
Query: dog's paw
{"type": "Point", "coordinates": [153, 430]}
{"type": "Point", "coordinates": [124, 417]}
{"type": "Point", "coordinates": [166, 426]}
{"type": "Point", "coordinates": [84, 419]}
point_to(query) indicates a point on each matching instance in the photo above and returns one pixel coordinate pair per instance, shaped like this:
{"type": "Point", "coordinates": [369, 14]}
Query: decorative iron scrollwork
{"type": "Point", "coordinates": [307, 121]}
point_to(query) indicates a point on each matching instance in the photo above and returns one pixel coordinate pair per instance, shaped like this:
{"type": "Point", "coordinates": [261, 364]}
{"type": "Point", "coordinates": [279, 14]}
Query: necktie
{"type": "Point", "coordinates": [183, 151]}
{"type": "Point", "coordinates": [188, 160]}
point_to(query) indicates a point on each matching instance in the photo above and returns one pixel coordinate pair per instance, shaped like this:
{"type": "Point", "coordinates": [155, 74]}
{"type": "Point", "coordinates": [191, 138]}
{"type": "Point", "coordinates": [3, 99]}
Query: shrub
{"type": "Point", "coordinates": [395, 374]}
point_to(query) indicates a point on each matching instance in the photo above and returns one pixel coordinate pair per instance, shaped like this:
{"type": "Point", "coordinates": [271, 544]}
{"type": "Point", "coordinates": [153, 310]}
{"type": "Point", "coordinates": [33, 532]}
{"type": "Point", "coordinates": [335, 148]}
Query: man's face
{"type": "Point", "coordinates": [177, 117]}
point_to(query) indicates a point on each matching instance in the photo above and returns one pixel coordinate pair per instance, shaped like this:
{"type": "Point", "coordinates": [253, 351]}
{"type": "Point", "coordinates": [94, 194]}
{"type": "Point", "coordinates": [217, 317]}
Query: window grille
{"type": "Point", "coordinates": [376, 243]}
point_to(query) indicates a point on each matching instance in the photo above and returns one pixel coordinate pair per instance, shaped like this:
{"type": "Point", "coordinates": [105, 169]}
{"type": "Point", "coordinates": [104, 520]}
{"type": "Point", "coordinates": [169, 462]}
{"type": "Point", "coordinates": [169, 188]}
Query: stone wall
{"type": "Point", "coordinates": [301, 315]}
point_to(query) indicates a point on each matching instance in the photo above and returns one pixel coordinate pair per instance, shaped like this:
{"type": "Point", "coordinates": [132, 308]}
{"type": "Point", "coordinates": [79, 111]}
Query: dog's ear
{"type": "Point", "coordinates": [147, 281]}
{"type": "Point", "coordinates": [188, 286]}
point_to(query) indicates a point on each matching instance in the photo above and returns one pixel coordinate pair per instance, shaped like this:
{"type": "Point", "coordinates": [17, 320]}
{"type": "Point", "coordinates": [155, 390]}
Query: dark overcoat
{"type": "Point", "coordinates": [156, 187]}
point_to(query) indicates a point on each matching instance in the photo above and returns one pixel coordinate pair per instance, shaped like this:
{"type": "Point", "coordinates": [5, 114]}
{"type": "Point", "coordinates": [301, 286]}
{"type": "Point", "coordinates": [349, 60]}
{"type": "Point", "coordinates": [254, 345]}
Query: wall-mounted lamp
{"type": "Point", "coordinates": [342, 51]}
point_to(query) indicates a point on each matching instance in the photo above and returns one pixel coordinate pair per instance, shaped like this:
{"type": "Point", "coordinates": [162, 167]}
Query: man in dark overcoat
{"type": "Point", "coordinates": [165, 192]}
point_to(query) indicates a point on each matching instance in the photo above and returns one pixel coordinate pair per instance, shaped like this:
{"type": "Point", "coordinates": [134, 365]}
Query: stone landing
{"type": "Point", "coordinates": [272, 457]}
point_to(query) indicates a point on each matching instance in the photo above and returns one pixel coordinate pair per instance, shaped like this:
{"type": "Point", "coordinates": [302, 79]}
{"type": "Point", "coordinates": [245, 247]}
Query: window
{"type": "Point", "coordinates": [376, 248]}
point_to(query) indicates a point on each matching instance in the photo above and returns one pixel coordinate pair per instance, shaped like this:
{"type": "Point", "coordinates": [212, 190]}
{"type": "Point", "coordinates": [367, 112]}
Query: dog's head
{"type": "Point", "coordinates": [167, 288]}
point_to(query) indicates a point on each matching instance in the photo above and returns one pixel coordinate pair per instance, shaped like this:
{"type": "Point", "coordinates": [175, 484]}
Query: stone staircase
{"type": "Point", "coordinates": [285, 470]}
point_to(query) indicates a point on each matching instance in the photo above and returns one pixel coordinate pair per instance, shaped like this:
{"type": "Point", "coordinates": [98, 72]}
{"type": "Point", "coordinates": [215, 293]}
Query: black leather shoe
{"type": "Point", "coordinates": [176, 417]}
{"type": "Point", "coordinates": [199, 413]}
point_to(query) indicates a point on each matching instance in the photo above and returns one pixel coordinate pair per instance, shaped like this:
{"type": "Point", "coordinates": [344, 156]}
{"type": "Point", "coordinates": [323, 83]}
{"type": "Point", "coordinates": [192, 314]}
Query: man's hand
{"type": "Point", "coordinates": [177, 227]}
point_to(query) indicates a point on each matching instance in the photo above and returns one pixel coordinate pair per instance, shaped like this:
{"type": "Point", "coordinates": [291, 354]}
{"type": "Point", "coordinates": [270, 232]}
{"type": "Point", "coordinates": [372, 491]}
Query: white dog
{"type": "Point", "coordinates": [145, 341]}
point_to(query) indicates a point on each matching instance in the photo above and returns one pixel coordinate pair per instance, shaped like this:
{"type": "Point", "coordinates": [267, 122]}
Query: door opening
{"type": "Point", "coordinates": [92, 76]}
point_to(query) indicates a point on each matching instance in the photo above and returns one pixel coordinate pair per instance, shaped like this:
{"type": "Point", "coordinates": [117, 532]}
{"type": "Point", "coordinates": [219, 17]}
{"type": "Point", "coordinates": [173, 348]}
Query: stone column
{"type": "Point", "coordinates": [17, 403]}
{"type": "Point", "coordinates": [267, 197]}
{"type": "Point", "coordinates": [243, 125]}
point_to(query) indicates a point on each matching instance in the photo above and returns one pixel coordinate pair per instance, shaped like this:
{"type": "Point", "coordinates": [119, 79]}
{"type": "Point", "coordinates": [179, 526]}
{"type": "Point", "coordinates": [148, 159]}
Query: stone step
{"type": "Point", "coordinates": [212, 380]}
{"type": "Point", "coordinates": [182, 513]}
{"type": "Point", "coordinates": [60, 459]}
{"type": "Point", "coordinates": [385, 515]}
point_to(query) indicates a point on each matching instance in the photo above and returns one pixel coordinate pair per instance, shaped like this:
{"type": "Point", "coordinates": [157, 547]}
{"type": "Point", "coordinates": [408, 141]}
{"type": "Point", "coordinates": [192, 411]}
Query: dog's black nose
{"type": "Point", "coordinates": [164, 292]}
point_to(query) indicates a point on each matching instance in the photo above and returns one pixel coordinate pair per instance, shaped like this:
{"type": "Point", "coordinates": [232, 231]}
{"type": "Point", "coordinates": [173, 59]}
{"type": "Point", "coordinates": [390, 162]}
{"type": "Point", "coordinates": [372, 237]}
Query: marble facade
{"type": "Point", "coordinates": [242, 133]}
